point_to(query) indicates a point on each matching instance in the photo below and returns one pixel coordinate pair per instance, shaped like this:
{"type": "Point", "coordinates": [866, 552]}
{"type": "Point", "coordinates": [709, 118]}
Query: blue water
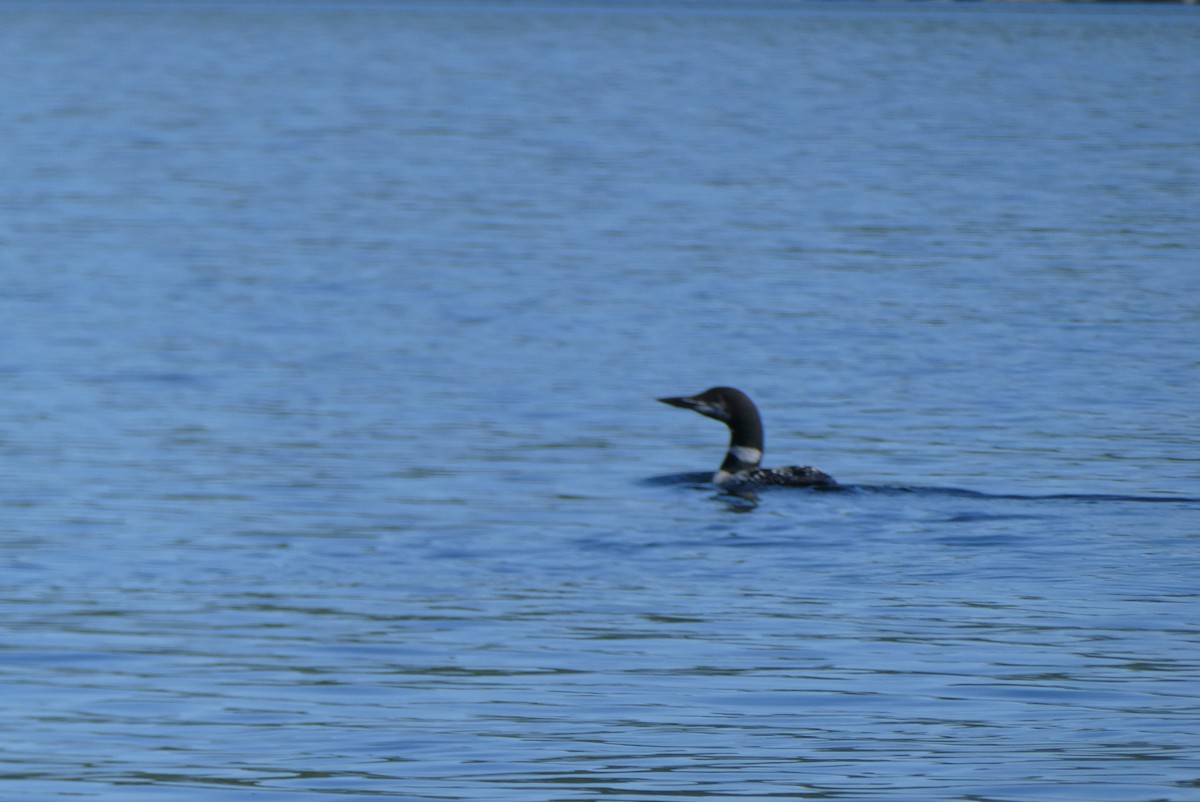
{"type": "Point", "coordinates": [330, 461]}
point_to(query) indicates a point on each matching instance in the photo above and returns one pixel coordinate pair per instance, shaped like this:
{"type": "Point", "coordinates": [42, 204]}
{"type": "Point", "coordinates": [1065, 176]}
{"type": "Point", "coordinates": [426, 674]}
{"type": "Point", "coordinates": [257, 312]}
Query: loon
{"type": "Point", "coordinates": [741, 466]}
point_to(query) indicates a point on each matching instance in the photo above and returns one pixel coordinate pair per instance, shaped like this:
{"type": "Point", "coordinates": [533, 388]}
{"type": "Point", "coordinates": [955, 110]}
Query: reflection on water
{"type": "Point", "coordinates": [331, 461]}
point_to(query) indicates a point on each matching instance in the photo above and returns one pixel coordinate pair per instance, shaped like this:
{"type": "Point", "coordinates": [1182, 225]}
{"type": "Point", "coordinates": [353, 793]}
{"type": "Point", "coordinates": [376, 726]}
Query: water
{"type": "Point", "coordinates": [332, 334]}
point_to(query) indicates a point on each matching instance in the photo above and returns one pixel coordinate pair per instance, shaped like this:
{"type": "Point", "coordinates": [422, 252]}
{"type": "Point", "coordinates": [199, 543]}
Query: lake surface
{"type": "Point", "coordinates": [331, 463]}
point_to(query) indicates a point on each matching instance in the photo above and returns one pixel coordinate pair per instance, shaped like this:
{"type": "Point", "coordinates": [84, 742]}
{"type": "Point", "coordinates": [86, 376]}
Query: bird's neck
{"type": "Point", "coordinates": [745, 444]}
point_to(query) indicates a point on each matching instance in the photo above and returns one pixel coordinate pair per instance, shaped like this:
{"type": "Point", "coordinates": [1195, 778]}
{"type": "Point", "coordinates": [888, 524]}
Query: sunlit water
{"type": "Point", "coordinates": [331, 465]}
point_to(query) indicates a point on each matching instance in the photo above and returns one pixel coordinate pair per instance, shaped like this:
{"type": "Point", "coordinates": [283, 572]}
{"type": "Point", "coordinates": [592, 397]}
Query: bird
{"type": "Point", "coordinates": [740, 469]}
